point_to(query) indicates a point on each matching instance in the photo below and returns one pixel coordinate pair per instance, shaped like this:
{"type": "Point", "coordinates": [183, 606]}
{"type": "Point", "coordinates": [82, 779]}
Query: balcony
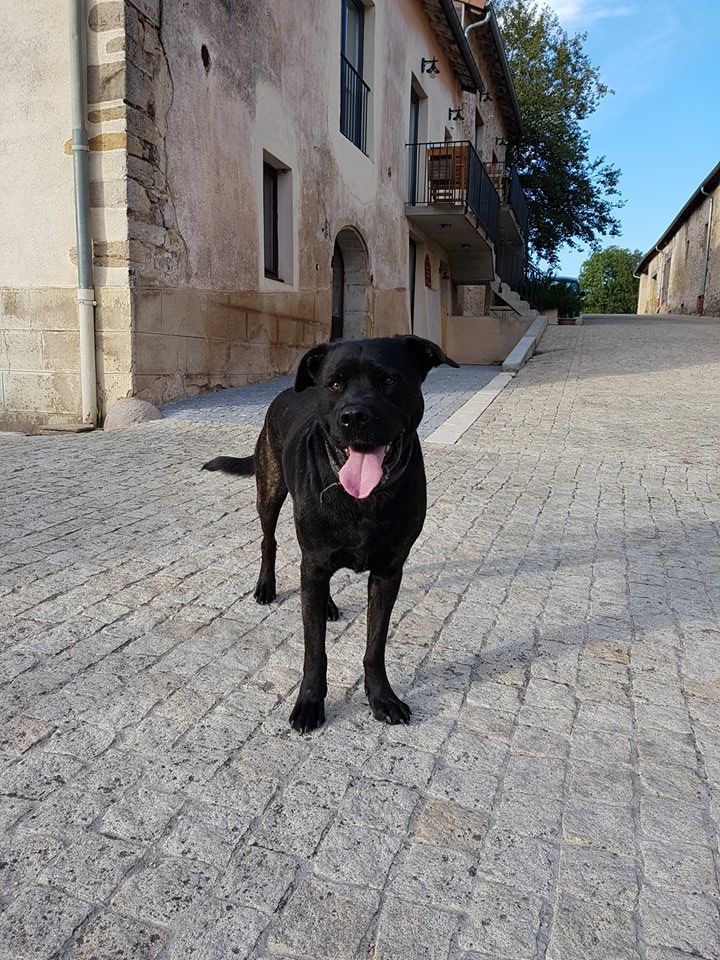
{"type": "Point", "coordinates": [354, 94]}
{"type": "Point", "coordinates": [513, 220]}
{"type": "Point", "coordinates": [452, 199]}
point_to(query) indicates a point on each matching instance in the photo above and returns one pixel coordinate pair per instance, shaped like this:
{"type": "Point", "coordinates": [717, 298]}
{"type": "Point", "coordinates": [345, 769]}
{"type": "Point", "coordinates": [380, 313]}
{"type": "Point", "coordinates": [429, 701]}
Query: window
{"type": "Point", "coordinates": [413, 154]}
{"type": "Point", "coordinates": [278, 216]}
{"type": "Point", "coordinates": [270, 219]}
{"type": "Point", "coordinates": [353, 33]}
{"type": "Point", "coordinates": [353, 89]}
{"type": "Point", "coordinates": [479, 134]}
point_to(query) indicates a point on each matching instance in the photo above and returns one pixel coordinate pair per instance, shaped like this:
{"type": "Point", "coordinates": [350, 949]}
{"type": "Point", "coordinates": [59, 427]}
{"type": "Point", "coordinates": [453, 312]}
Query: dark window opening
{"type": "Point", "coordinates": [270, 219]}
{"type": "Point", "coordinates": [353, 89]}
{"type": "Point", "coordinates": [479, 134]}
{"type": "Point", "coordinates": [414, 136]}
{"type": "Point", "coordinates": [353, 28]}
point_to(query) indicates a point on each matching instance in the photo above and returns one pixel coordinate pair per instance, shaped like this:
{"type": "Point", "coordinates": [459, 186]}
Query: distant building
{"type": "Point", "coordinates": [263, 176]}
{"type": "Point", "coordinates": [681, 274]}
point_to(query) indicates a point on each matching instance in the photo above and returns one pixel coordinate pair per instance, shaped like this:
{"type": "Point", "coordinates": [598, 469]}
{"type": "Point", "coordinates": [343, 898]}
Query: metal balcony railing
{"type": "Point", "coordinates": [507, 183]}
{"type": "Point", "coordinates": [450, 174]}
{"type": "Point", "coordinates": [510, 265]}
{"type": "Point", "coordinates": [354, 94]}
{"type": "Point", "coordinates": [519, 273]}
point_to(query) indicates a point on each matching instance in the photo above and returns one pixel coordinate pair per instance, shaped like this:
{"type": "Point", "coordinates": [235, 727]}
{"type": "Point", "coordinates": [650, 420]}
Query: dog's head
{"type": "Point", "coordinates": [370, 403]}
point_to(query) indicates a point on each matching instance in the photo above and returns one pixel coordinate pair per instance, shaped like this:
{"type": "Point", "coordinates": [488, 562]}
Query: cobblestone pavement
{"type": "Point", "coordinates": [557, 793]}
{"type": "Point", "coordinates": [445, 390]}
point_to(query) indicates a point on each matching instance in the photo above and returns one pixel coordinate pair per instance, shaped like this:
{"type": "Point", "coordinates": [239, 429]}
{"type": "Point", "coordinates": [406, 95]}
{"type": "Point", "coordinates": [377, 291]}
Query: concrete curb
{"type": "Point", "coordinates": [454, 427]}
{"type": "Point", "coordinates": [525, 347]}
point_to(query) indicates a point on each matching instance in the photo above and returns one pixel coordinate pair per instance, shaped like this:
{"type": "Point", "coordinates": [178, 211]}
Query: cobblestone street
{"type": "Point", "coordinates": [445, 390]}
{"type": "Point", "coordinates": [557, 792]}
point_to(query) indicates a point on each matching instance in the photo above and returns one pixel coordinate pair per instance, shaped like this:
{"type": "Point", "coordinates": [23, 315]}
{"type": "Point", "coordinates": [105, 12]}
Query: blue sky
{"type": "Point", "coordinates": [662, 126]}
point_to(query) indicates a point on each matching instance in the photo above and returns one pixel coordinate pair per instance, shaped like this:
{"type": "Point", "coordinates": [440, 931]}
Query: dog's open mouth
{"type": "Point", "coordinates": [362, 469]}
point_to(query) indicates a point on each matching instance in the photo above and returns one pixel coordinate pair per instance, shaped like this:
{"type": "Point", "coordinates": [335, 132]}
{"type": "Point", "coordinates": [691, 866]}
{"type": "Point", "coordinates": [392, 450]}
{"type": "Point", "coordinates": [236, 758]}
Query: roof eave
{"type": "Point", "coordinates": [495, 27]}
{"type": "Point", "coordinates": [464, 47]}
{"type": "Point", "coordinates": [712, 180]}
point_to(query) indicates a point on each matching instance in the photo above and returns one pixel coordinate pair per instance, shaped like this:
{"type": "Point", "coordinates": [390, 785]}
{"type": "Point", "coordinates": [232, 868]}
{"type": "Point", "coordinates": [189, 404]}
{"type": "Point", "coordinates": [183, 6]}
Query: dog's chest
{"type": "Point", "coordinates": [361, 538]}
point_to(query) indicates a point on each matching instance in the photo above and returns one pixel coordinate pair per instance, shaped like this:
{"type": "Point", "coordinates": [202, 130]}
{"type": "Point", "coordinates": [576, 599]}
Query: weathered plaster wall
{"type": "Point", "coordinates": [482, 339]}
{"type": "Point", "coordinates": [684, 257]}
{"type": "Point", "coordinates": [39, 349]}
{"type": "Point", "coordinates": [269, 84]}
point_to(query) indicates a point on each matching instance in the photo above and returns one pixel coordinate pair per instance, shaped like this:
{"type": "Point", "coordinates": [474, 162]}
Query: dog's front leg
{"type": "Point", "coordinates": [309, 710]}
{"type": "Point", "coordinates": [382, 594]}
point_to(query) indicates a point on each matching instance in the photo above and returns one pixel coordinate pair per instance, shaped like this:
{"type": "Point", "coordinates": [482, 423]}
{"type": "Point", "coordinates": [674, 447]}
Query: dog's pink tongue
{"type": "Point", "coordinates": [362, 471]}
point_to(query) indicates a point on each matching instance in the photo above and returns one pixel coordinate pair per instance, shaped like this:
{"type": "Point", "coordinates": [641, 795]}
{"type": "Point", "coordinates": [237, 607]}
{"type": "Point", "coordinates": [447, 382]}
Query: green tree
{"type": "Point", "coordinates": [606, 279]}
{"type": "Point", "coordinates": [571, 194]}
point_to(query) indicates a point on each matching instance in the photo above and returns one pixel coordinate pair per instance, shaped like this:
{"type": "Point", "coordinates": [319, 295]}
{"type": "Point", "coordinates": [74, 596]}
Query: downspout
{"type": "Point", "coordinates": [80, 150]}
{"type": "Point", "coordinates": [662, 277]}
{"type": "Point", "coordinates": [704, 192]}
{"type": "Point", "coordinates": [479, 23]}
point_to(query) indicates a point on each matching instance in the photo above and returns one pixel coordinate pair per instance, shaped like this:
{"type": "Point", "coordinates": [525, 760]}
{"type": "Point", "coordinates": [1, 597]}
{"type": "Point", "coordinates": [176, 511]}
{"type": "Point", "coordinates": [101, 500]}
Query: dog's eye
{"type": "Point", "coordinates": [389, 381]}
{"type": "Point", "coordinates": [336, 386]}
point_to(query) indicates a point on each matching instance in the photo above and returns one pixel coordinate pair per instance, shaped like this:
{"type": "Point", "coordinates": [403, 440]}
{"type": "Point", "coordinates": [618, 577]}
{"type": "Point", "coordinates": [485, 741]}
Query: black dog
{"type": "Point", "coordinates": [344, 443]}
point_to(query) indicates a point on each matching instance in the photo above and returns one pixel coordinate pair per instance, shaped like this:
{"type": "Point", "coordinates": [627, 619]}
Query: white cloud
{"type": "Point", "coordinates": [580, 13]}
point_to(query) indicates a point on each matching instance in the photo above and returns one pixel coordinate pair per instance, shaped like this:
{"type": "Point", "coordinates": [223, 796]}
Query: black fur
{"type": "Point", "coordinates": [242, 466]}
{"type": "Point", "coordinates": [361, 394]}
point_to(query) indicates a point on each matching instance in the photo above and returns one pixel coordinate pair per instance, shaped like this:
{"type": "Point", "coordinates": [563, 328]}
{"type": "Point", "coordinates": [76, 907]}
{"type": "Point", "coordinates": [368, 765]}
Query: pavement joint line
{"type": "Point", "coordinates": [450, 430]}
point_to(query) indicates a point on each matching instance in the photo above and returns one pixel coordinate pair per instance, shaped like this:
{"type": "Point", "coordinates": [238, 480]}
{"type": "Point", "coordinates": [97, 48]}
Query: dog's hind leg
{"type": "Point", "coordinates": [271, 494]}
{"type": "Point", "coordinates": [332, 611]}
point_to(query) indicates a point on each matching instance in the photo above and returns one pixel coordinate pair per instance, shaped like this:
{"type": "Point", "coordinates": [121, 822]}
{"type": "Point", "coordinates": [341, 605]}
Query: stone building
{"type": "Point", "coordinates": [681, 273]}
{"type": "Point", "coordinates": [262, 176]}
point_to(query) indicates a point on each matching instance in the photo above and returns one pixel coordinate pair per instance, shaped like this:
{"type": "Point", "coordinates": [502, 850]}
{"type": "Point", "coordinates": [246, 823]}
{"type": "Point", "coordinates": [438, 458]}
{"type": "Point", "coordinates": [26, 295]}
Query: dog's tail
{"type": "Point", "coordinates": [241, 466]}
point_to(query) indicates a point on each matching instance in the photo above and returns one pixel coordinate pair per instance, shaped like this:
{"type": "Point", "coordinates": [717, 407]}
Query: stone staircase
{"type": "Point", "coordinates": [537, 322]}
{"type": "Point", "coordinates": [513, 299]}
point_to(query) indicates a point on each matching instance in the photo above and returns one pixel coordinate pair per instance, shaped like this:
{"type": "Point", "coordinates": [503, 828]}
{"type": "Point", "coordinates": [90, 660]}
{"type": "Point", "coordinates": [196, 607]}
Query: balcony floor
{"type": "Point", "coordinates": [469, 249]}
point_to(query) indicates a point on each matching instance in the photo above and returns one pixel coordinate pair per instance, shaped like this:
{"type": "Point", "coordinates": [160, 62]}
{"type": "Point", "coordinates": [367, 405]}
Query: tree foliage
{"type": "Point", "coordinates": [571, 194]}
{"type": "Point", "coordinates": [607, 281]}
{"type": "Point", "coordinates": [561, 296]}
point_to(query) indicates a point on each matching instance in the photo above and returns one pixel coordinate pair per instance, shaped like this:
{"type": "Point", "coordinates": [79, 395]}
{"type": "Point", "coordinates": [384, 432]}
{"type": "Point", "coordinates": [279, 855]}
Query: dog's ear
{"type": "Point", "coordinates": [427, 354]}
{"type": "Point", "coordinates": [309, 367]}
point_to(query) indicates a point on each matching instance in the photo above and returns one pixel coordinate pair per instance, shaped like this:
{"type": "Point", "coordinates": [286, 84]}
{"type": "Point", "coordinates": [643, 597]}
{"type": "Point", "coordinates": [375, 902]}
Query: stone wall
{"type": "Point", "coordinates": [684, 258]}
{"type": "Point", "coordinates": [39, 341]}
{"type": "Point", "coordinates": [39, 354]}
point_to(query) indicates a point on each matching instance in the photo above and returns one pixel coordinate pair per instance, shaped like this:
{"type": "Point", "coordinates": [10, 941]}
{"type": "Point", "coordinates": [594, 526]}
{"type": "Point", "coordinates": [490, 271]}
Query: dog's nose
{"type": "Point", "coordinates": [354, 417]}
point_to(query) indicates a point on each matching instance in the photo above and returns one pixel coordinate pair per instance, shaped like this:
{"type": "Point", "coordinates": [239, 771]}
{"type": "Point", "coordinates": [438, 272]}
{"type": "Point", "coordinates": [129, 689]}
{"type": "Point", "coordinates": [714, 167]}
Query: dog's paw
{"type": "Point", "coordinates": [307, 715]}
{"type": "Point", "coordinates": [332, 611]}
{"type": "Point", "coordinates": [387, 708]}
{"type": "Point", "coordinates": [265, 591]}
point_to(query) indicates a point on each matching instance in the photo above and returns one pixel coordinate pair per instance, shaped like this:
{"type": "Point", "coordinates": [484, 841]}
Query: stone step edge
{"type": "Point", "coordinates": [526, 345]}
{"type": "Point", "coordinates": [459, 422]}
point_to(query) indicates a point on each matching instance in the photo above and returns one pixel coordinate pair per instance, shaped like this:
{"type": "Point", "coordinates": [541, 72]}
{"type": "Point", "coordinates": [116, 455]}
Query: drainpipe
{"type": "Point", "coordinates": [662, 277]}
{"type": "Point", "coordinates": [479, 23]}
{"type": "Point", "coordinates": [704, 192]}
{"type": "Point", "coordinates": [80, 150]}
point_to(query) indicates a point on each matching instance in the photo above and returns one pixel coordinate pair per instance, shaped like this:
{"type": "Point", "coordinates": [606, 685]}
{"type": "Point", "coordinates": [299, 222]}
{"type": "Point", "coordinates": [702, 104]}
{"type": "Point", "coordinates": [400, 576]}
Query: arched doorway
{"type": "Point", "coordinates": [351, 287]}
